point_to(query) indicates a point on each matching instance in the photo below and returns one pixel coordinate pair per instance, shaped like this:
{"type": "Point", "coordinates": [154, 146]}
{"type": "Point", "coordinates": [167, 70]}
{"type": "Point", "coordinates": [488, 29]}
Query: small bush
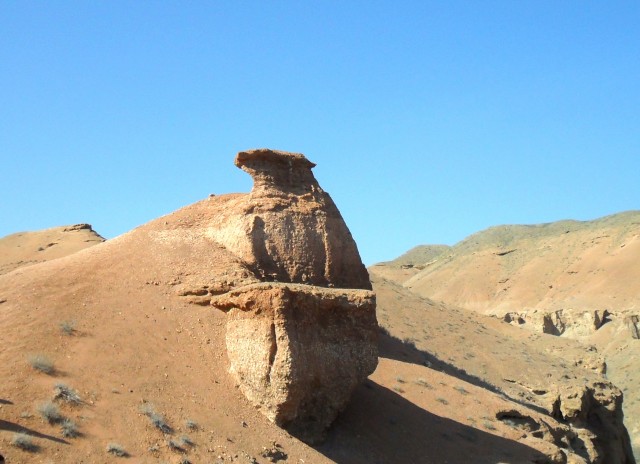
{"type": "Point", "coordinates": [160, 423]}
{"type": "Point", "coordinates": [50, 412]}
{"type": "Point", "coordinates": [156, 419]}
{"type": "Point", "coordinates": [488, 425]}
{"type": "Point", "coordinates": [181, 445]}
{"type": "Point", "coordinates": [69, 429]}
{"type": "Point", "coordinates": [424, 383]}
{"type": "Point", "coordinates": [66, 394]}
{"type": "Point", "coordinates": [442, 400]}
{"type": "Point", "coordinates": [24, 442]}
{"type": "Point", "coordinates": [41, 363]}
{"type": "Point", "coordinates": [461, 390]}
{"type": "Point", "coordinates": [186, 441]}
{"type": "Point", "coordinates": [68, 327]}
{"type": "Point", "coordinates": [175, 445]}
{"type": "Point", "coordinates": [117, 450]}
{"type": "Point", "coordinates": [191, 424]}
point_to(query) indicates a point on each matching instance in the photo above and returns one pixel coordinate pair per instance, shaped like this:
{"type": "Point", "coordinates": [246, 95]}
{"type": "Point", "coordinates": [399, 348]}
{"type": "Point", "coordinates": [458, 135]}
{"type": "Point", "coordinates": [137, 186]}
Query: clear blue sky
{"type": "Point", "coordinates": [429, 120]}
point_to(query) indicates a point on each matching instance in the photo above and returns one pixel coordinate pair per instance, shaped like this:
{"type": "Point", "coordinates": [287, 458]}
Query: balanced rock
{"type": "Point", "coordinates": [304, 336]}
{"type": "Point", "coordinates": [288, 229]}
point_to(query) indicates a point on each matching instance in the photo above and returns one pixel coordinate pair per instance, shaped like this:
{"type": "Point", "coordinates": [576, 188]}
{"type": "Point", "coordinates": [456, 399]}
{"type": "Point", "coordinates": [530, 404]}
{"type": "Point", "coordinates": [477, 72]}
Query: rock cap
{"type": "Point", "coordinates": [277, 171]}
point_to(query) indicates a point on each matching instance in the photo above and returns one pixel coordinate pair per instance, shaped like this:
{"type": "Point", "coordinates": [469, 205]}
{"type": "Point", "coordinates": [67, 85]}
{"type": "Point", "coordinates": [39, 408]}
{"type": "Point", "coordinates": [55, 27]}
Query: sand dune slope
{"type": "Point", "coordinates": [25, 248]}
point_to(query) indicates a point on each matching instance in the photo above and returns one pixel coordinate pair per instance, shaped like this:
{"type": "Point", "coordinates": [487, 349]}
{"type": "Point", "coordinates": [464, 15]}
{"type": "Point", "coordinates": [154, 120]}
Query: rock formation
{"type": "Point", "coordinates": [298, 351]}
{"type": "Point", "coordinates": [288, 229]}
{"type": "Point", "coordinates": [305, 336]}
{"type": "Point", "coordinates": [571, 322]}
{"type": "Point", "coordinates": [592, 414]}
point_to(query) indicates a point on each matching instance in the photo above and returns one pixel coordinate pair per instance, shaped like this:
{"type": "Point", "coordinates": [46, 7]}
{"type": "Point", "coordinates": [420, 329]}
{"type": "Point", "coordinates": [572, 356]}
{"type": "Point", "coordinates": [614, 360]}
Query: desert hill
{"type": "Point", "coordinates": [591, 264]}
{"type": "Point", "coordinates": [25, 248]}
{"type": "Point", "coordinates": [576, 279]}
{"type": "Point", "coordinates": [128, 328]}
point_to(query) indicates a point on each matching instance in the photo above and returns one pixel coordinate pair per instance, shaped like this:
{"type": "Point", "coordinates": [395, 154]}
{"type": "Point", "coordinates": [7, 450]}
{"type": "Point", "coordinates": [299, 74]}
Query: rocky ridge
{"type": "Point", "coordinates": [27, 248]}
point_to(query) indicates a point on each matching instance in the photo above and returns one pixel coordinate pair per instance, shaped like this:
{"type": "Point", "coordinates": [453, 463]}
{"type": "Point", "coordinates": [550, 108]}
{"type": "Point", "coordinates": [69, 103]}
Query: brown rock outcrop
{"type": "Point", "coordinates": [288, 229]}
{"type": "Point", "coordinates": [299, 351]}
{"type": "Point", "coordinates": [633, 324]}
{"type": "Point", "coordinates": [594, 413]}
{"type": "Point", "coordinates": [300, 341]}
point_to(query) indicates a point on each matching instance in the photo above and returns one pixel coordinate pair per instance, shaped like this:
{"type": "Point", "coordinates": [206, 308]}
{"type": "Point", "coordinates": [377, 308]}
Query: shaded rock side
{"type": "Point", "coordinates": [299, 351]}
{"type": "Point", "coordinates": [288, 229]}
{"type": "Point", "coordinates": [594, 412]}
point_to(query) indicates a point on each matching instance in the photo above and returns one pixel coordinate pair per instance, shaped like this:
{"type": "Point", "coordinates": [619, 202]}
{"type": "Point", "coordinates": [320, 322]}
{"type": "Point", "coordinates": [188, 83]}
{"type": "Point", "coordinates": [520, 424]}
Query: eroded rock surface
{"type": "Point", "coordinates": [299, 351]}
{"type": "Point", "coordinates": [301, 326]}
{"type": "Point", "coordinates": [288, 229]}
{"type": "Point", "coordinates": [594, 414]}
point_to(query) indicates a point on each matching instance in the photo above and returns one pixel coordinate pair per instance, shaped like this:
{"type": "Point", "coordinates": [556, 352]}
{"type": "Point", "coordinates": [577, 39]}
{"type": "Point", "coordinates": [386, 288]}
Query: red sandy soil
{"type": "Point", "coordinates": [444, 372]}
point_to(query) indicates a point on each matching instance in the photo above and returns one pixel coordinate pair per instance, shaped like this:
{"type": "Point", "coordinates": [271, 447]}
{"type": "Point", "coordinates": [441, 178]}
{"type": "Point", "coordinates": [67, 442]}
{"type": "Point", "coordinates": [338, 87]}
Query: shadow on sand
{"type": "Point", "coordinates": [393, 348]}
{"type": "Point", "coordinates": [381, 427]}
{"type": "Point", "coordinates": [13, 427]}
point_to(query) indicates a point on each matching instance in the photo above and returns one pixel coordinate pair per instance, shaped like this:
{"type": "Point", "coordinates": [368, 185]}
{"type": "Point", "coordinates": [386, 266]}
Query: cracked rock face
{"type": "Point", "coordinates": [288, 229]}
{"type": "Point", "coordinates": [302, 339]}
{"type": "Point", "coordinates": [299, 351]}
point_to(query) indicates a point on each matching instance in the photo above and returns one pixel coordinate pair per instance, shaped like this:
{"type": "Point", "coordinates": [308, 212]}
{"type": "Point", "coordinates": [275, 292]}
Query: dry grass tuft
{"type": "Point", "coordinates": [41, 363]}
{"type": "Point", "coordinates": [50, 412]}
{"type": "Point", "coordinates": [67, 394]}
{"type": "Point", "coordinates": [24, 442]}
{"type": "Point", "coordinates": [117, 450]}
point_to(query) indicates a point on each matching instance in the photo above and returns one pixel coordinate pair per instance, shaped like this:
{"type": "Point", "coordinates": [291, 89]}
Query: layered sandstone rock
{"type": "Point", "coordinates": [299, 351]}
{"type": "Point", "coordinates": [300, 341]}
{"type": "Point", "coordinates": [288, 229]}
{"type": "Point", "coordinates": [594, 414]}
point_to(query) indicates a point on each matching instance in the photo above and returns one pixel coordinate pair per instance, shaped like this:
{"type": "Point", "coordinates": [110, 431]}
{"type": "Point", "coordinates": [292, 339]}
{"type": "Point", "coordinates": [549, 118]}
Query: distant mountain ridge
{"type": "Point", "coordinates": [503, 235]}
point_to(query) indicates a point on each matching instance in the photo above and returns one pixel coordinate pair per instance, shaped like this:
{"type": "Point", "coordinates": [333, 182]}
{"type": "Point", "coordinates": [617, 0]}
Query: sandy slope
{"type": "Point", "coordinates": [433, 399]}
{"type": "Point", "coordinates": [25, 248]}
{"type": "Point", "coordinates": [565, 271]}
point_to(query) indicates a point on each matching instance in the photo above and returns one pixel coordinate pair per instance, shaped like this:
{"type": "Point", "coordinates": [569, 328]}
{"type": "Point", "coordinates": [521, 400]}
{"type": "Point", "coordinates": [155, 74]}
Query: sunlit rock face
{"type": "Point", "coordinates": [302, 339]}
{"type": "Point", "coordinates": [288, 229]}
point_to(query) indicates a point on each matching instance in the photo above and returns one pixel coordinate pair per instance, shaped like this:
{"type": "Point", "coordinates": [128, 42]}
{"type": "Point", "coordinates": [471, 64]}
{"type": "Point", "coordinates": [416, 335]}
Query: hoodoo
{"type": "Point", "coordinates": [288, 229]}
{"type": "Point", "coordinates": [302, 331]}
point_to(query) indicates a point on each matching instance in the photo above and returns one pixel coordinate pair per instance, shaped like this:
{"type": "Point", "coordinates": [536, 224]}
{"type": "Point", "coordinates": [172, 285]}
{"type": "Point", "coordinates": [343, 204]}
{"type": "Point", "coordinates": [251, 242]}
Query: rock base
{"type": "Point", "coordinates": [298, 351]}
